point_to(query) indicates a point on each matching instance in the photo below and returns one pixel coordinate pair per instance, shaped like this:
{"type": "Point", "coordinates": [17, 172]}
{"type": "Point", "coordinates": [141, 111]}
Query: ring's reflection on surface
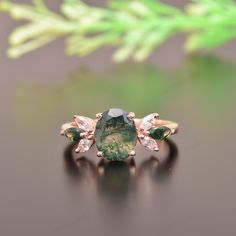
{"type": "Point", "coordinates": [117, 179]}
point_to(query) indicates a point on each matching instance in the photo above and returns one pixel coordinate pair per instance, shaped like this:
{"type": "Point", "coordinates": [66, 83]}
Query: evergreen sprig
{"type": "Point", "coordinates": [135, 27]}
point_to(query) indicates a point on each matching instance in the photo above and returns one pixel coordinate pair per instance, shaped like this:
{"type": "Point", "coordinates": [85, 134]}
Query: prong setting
{"type": "Point", "coordinates": [99, 154]}
{"type": "Point", "coordinates": [147, 133]}
{"type": "Point", "coordinates": [99, 116]}
{"type": "Point", "coordinates": [131, 115]}
{"type": "Point", "coordinates": [84, 134]}
{"type": "Point", "coordinates": [132, 153]}
{"type": "Point", "coordinates": [156, 115]}
{"type": "Point", "coordinates": [90, 136]}
{"type": "Point", "coordinates": [141, 136]}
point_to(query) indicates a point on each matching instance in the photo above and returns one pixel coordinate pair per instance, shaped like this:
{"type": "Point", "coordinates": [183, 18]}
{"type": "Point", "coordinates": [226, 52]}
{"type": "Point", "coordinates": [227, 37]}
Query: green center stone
{"type": "Point", "coordinates": [115, 135]}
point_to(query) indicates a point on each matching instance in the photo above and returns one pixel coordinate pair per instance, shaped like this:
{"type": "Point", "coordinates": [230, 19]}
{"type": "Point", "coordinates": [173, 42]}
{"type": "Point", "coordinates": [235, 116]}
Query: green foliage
{"type": "Point", "coordinates": [135, 27]}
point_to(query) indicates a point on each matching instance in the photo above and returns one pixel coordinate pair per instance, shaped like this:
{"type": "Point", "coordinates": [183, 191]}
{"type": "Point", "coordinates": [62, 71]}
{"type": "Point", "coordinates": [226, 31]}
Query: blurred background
{"type": "Point", "coordinates": [186, 191]}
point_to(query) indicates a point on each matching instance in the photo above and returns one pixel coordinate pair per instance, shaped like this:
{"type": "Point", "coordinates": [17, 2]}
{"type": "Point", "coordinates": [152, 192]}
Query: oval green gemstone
{"type": "Point", "coordinates": [115, 135]}
{"type": "Point", "coordinates": [160, 132]}
{"type": "Point", "coordinates": [73, 133]}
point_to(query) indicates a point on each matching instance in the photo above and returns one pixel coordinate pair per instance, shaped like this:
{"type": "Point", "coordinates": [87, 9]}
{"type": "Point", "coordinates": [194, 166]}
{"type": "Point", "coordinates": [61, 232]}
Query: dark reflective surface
{"type": "Point", "coordinates": [116, 180]}
{"type": "Point", "coordinates": [44, 193]}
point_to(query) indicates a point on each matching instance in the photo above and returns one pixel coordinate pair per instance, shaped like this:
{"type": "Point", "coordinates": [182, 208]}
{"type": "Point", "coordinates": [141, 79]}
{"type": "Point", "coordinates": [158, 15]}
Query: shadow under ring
{"type": "Point", "coordinates": [75, 164]}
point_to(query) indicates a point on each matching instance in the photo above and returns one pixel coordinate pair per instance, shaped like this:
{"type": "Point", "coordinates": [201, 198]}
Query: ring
{"type": "Point", "coordinates": [116, 133]}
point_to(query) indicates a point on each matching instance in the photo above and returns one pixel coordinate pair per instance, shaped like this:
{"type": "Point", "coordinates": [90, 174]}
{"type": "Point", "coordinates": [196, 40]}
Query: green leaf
{"type": "Point", "coordinates": [26, 32]}
{"type": "Point", "coordinates": [152, 40]}
{"type": "Point", "coordinates": [74, 10]}
{"type": "Point", "coordinates": [40, 4]}
{"type": "Point", "coordinates": [82, 46]}
{"type": "Point", "coordinates": [209, 40]}
{"type": "Point", "coordinates": [19, 50]}
{"type": "Point", "coordinates": [136, 27]}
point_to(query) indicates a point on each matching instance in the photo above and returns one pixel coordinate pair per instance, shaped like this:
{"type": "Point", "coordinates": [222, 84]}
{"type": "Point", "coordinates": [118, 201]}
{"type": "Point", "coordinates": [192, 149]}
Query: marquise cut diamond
{"type": "Point", "coordinates": [149, 143]}
{"type": "Point", "coordinates": [84, 145]}
{"type": "Point", "coordinates": [84, 123]}
{"type": "Point", "coordinates": [148, 121]}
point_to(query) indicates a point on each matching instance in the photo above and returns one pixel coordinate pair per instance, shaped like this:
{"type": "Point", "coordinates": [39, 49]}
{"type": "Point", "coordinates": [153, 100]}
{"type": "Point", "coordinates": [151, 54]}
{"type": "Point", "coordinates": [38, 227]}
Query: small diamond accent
{"type": "Point", "coordinates": [84, 145]}
{"type": "Point", "coordinates": [148, 121]}
{"type": "Point", "coordinates": [85, 123]}
{"type": "Point", "coordinates": [149, 143]}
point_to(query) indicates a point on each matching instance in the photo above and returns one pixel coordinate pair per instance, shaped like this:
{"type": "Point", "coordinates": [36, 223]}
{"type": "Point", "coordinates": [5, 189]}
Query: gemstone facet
{"type": "Point", "coordinates": [160, 132]}
{"type": "Point", "coordinates": [115, 134]}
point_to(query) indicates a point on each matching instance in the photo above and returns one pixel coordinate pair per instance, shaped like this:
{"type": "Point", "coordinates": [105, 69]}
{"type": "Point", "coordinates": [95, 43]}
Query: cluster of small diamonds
{"type": "Point", "coordinates": [145, 125]}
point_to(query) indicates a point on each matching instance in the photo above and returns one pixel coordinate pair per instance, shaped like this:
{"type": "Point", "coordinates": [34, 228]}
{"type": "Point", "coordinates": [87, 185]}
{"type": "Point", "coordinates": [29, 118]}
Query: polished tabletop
{"type": "Point", "coordinates": [188, 188]}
